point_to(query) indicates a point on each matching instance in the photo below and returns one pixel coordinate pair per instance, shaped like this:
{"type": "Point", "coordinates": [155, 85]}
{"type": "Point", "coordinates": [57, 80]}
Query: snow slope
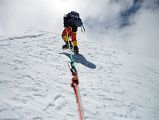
{"type": "Point", "coordinates": [35, 80]}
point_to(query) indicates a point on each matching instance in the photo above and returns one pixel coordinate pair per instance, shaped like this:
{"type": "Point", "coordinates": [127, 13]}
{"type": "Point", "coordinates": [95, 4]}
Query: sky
{"type": "Point", "coordinates": [130, 24]}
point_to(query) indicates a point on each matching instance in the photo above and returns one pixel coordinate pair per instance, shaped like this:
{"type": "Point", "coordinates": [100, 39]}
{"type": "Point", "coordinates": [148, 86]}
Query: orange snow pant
{"type": "Point", "coordinates": [67, 32]}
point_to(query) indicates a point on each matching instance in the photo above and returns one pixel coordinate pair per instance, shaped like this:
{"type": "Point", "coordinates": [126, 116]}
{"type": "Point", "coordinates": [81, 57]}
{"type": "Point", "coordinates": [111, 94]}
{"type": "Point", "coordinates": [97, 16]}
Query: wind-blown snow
{"type": "Point", "coordinates": [35, 81]}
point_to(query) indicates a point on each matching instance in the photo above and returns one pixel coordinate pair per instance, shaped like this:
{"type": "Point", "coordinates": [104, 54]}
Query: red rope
{"type": "Point", "coordinates": [76, 90]}
{"type": "Point", "coordinates": [74, 84]}
{"type": "Point", "coordinates": [77, 95]}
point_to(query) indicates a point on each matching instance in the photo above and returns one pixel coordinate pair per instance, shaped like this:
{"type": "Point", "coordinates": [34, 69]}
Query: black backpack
{"type": "Point", "coordinates": [72, 18]}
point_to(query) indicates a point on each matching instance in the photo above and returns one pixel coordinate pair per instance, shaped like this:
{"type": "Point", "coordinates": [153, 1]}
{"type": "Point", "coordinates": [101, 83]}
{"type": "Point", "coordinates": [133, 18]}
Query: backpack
{"type": "Point", "coordinates": [72, 17]}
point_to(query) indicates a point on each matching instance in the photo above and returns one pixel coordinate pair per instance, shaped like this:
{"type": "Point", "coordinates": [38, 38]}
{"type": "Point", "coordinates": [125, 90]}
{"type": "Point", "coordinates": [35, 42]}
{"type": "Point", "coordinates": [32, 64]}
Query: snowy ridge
{"type": "Point", "coordinates": [35, 81]}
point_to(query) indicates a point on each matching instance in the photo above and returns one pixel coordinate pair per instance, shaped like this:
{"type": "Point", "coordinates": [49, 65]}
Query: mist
{"type": "Point", "coordinates": [131, 25]}
{"type": "Point", "coordinates": [21, 15]}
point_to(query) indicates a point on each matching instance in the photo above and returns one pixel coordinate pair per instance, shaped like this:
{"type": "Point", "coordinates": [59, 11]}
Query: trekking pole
{"type": "Point", "coordinates": [69, 46]}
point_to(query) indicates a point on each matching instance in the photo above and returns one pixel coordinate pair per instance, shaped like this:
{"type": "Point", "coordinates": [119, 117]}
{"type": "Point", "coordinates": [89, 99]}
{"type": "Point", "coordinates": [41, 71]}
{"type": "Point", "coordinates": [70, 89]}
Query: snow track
{"type": "Point", "coordinates": [35, 81]}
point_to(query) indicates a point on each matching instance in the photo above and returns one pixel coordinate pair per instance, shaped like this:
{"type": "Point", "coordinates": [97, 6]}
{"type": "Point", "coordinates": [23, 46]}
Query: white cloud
{"type": "Point", "coordinates": [142, 36]}
{"type": "Point", "coordinates": [101, 18]}
{"type": "Point", "coordinates": [47, 14]}
{"type": "Point", "coordinates": [19, 15]}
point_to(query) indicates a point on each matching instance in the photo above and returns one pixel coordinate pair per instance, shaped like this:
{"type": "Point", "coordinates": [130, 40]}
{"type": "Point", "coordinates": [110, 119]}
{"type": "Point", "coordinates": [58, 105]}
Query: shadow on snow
{"type": "Point", "coordinates": [79, 58]}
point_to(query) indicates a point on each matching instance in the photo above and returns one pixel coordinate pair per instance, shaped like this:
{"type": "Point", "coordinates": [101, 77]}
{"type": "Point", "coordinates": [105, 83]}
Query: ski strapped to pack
{"type": "Point", "coordinates": [82, 28]}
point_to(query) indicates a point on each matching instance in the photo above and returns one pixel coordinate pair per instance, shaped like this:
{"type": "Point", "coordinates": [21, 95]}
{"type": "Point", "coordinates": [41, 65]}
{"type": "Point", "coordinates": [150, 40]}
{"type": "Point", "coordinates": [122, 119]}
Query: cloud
{"type": "Point", "coordinates": [140, 33]}
{"type": "Point", "coordinates": [20, 15]}
{"type": "Point", "coordinates": [141, 36]}
{"type": "Point", "coordinates": [103, 20]}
